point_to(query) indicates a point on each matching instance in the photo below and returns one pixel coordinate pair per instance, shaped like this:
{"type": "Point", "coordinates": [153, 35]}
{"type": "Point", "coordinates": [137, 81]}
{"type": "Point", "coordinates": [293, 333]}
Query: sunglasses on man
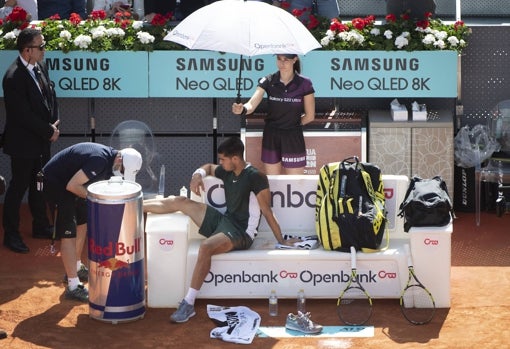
{"type": "Point", "coordinates": [40, 47]}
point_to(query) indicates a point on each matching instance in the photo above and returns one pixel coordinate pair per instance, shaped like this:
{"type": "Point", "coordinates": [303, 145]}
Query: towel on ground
{"type": "Point", "coordinates": [235, 324]}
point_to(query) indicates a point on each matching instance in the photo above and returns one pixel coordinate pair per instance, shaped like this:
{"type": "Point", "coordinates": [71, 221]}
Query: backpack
{"type": "Point", "coordinates": [350, 206]}
{"type": "Point", "coordinates": [426, 204]}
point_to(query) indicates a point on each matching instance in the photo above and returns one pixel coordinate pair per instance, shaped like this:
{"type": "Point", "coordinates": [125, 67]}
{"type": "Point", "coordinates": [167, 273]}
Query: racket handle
{"type": "Point", "coordinates": [407, 250]}
{"type": "Point", "coordinates": [353, 257]}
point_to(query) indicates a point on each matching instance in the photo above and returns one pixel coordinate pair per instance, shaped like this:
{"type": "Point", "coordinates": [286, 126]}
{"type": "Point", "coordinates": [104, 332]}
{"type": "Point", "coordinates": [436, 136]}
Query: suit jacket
{"type": "Point", "coordinates": [28, 114]}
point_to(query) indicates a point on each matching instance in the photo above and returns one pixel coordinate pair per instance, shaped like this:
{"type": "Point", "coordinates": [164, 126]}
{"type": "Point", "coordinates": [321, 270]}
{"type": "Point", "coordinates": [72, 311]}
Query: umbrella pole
{"type": "Point", "coordinates": [238, 99]}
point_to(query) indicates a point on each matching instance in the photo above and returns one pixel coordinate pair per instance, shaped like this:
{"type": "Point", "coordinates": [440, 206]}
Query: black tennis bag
{"type": "Point", "coordinates": [350, 206]}
{"type": "Point", "coordinates": [426, 204]}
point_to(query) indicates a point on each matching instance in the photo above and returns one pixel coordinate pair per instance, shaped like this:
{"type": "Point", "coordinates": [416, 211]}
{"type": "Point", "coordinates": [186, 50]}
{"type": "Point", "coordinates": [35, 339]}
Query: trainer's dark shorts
{"type": "Point", "coordinates": [71, 210]}
{"type": "Point", "coordinates": [285, 146]}
{"type": "Point", "coordinates": [215, 222]}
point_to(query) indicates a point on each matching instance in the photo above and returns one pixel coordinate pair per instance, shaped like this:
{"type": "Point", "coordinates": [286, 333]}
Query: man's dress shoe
{"type": "Point", "coordinates": [16, 245]}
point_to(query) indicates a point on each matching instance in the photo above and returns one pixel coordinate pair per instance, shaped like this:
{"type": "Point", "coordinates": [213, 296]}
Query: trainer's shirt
{"type": "Point", "coordinates": [96, 161]}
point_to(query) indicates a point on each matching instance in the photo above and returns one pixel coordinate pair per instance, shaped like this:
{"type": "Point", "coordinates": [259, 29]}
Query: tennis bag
{"type": "Point", "coordinates": [426, 204]}
{"type": "Point", "coordinates": [350, 206]}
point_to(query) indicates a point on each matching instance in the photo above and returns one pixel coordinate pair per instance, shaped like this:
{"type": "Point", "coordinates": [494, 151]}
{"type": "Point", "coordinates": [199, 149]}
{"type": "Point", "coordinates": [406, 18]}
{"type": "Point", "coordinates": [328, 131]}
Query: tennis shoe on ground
{"type": "Point", "coordinates": [83, 274]}
{"type": "Point", "coordinates": [80, 293]}
{"type": "Point", "coordinates": [183, 313]}
{"type": "Point", "coordinates": [302, 323]}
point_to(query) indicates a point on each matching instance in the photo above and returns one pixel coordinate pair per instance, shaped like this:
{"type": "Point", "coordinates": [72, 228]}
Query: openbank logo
{"type": "Point", "coordinates": [430, 242]}
{"type": "Point", "coordinates": [165, 244]}
{"type": "Point", "coordinates": [305, 276]}
{"type": "Point", "coordinates": [279, 198]}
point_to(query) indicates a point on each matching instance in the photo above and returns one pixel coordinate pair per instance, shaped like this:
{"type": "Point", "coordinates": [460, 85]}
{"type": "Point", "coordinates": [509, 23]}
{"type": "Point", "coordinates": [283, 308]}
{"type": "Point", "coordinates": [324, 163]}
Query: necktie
{"type": "Point", "coordinates": [41, 82]}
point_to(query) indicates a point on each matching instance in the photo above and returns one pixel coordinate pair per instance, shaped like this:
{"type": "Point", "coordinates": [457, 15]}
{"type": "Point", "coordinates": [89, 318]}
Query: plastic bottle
{"type": "Point", "coordinates": [161, 187]}
{"type": "Point", "coordinates": [273, 303]}
{"type": "Point", "coordinates": [301, 301]}
{"type": "Point", "coordinates": [184, 192]}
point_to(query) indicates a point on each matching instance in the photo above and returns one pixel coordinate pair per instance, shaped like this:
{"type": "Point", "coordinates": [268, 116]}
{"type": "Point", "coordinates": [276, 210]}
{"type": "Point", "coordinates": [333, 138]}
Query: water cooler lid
{"type": "Point", "coordinates": [114, 189]}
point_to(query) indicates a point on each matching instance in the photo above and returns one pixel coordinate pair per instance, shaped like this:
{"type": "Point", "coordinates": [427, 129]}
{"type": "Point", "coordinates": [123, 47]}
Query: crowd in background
{"type": "Point", "coordinates": [42, 9]}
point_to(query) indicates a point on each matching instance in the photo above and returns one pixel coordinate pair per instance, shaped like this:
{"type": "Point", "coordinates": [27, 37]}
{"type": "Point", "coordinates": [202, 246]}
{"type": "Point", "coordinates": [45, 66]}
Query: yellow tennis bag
{"type": "Point", "coordinates": [350, 206]}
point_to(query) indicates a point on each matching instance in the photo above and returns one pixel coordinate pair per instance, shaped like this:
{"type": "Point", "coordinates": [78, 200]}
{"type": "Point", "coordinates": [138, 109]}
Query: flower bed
{"type": "Point", "coordinates": [97, 33]}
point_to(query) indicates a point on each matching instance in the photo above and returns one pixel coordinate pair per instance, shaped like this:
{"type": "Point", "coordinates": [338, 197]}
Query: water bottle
{"type": "Point", "coordinates": [273, 303]}
{"type": "Point", "coordinates": [301, 301]}
{"type": "Point", "coordinates": [161, 187]}
{"type": "Point", "coordinates": [184, 192]}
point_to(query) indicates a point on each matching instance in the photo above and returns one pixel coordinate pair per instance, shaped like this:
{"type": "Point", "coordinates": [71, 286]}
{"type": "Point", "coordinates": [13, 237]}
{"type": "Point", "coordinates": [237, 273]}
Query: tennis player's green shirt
{"type": "Point", "coordinates": [242, 210]}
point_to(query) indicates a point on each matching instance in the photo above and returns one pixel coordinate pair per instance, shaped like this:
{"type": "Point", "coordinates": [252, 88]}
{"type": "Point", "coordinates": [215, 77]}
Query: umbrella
{"type": "Point", "coordinates": [243, 27]}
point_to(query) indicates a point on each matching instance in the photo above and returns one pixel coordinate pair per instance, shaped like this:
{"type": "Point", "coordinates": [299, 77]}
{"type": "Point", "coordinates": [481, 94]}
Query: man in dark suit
{"type": "Point", "coordinates": [30, 128]}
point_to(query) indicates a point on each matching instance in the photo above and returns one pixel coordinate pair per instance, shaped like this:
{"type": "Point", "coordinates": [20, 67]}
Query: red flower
{"type": "Point", "coordinates": [428, 14]}
{"type": "Point", "coordinates": [391, 18]}
{"type": "Point", "coordinates": [55, 17]}
{"type": "Point", "coordinates": [370, 19]}
{"type": "Point", "coordinates": [75, 18]}
{"type": "Point", "coordinates": [18, 14]}
{"type": "Point", "coordinates": [1, 22]}
{"type": "Point", "coordinates": [313, 22]}
{"type": "Point", "coordinates": [358, 23]}
{"type": "Point", "coordinates": [458, 24]}
{"type": "Point", "coordinates": [285, 5]}
{"type": "Point", "coordinates": [405, 16]}
{"type": "Point", "coordinates": [338, 26]}
{"type": "Point", "coordinates": [98, 15]}
{"type": "Point", "coordinates": [297, 12]}
{"type": "Point", "coordinates": [160, 20]}
{"type": "Point", "coordinates": [423, 24]}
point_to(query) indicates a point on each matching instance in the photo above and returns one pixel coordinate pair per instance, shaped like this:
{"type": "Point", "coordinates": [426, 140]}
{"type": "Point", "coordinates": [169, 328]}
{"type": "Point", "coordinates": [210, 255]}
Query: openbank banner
{"type": "Point", "coordinates": [347, 74]}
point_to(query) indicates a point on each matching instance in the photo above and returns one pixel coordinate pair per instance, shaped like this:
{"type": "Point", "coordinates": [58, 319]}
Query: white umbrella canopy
{"type": "Point", "coordinates": [244, 27]}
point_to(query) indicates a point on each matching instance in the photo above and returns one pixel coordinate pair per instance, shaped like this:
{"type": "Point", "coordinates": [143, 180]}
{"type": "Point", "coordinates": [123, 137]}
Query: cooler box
{"type": "Point", "coordinates": [431, 251]}
{"type": "Point", "coordinates": [167, 247]}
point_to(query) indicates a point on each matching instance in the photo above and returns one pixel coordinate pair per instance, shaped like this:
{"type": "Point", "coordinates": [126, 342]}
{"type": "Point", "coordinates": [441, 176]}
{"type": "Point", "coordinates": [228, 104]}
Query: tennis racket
{"type": "Point", "coordinates": [416, 302]}
{"type": "Point", "coordinates": [354, 306]}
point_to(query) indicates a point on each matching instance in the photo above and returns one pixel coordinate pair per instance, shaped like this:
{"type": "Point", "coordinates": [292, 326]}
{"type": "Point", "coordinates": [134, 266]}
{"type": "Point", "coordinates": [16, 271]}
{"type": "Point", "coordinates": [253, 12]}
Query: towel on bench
{"type": "Point", "coordinates": [309, 242]}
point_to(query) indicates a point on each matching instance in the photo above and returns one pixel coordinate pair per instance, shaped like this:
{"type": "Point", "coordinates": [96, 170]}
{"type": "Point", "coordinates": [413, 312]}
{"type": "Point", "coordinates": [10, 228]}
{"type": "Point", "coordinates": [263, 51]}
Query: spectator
{"type": "Point", "coordinates": [111, 7]}
{"type": "Point", "coordinates": [184, 8]}
{"type": "Point", "coordinates": [62, 8]}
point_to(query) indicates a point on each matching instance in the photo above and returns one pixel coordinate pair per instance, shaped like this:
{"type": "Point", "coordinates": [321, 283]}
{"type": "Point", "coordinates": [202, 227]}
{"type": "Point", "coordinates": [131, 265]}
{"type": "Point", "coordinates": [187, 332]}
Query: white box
{"type": "Point", "coordinates": [167, 248]}
{"type": "Point", "coordinates": [399, 115]}
{"type": "Point", "coordinates": [420, 115]}
{"type": "Point", "coordinates": [431, 252]}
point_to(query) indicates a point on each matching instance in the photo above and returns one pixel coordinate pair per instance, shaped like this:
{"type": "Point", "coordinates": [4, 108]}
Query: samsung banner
{"type": "Point", "coordinates": [212, 74]}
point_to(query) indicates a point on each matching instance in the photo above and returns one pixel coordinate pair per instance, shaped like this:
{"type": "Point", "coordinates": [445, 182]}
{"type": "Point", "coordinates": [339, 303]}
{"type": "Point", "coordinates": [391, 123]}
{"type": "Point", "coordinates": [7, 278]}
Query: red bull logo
{"type": "Point", "coordinates": [113, 264]}
{"type": "Point", "coordinates": [115, 248]}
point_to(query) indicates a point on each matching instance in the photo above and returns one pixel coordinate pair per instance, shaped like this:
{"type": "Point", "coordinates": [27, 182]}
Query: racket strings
{"type": "Point", "coordinates": [354, 306]}
{"type": "Point", "coordinates": [417, 305]}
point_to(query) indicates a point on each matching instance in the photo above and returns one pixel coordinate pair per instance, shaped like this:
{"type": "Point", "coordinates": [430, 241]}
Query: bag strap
{"type": "Point", "coordinates": [375, 200]}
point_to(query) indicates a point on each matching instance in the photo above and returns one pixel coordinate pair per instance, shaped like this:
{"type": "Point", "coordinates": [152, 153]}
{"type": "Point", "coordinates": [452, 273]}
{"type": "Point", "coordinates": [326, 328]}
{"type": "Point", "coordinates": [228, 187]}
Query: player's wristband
{"type": "Point", "coordinates": [199, 171]}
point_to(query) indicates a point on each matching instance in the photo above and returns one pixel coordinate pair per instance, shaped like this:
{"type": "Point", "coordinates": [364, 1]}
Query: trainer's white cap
{"type": "Point", "coordinates": [132, 162]}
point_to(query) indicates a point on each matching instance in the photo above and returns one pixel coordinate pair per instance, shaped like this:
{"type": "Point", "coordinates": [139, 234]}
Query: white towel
{"type": "Point", "coordinates": [235, 324]}
{"type": "Point", "coordinates": [309, 242]}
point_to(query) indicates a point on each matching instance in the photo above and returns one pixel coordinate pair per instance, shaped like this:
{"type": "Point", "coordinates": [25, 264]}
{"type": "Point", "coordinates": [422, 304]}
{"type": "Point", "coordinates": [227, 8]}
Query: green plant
{"type": "Point", "coordinates": [395, 34]}
{"type": "Point", "coordinates": [96, 33]}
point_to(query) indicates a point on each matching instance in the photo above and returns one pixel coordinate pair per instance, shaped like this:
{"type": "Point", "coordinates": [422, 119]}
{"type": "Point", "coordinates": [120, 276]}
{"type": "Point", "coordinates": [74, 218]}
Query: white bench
{"type": "Point", "coordinates": [173, 242]}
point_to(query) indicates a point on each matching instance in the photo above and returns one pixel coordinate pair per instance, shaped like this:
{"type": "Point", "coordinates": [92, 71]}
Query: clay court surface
{"type": "Point", "coordinates": [35, 314]}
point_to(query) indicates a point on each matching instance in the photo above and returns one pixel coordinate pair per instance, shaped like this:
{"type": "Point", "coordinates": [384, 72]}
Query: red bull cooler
{"type": "Point", "coordinates": [116, 251]}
